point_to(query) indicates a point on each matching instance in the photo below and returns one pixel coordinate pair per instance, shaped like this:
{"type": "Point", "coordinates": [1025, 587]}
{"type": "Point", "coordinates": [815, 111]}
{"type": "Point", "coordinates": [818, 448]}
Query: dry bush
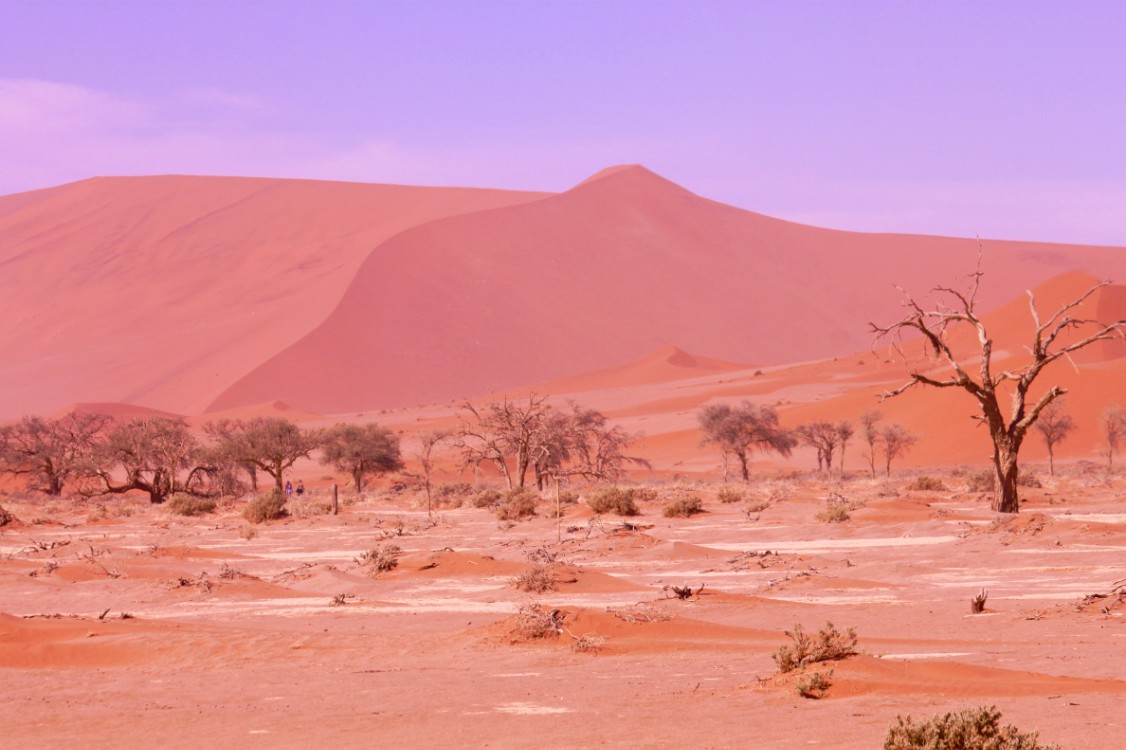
{"type": "Point", "coordinates": [534, 622]}
{"type": "Point", "coordinates": [829, 645]}
{"type": "Point", "coordinates": [969, 729]}
{"type": "Point", "coordinates": [620, 501]}
{"type": "Point", "coordinates": [451, 495]}
{"type": "Point", "coordinates": [183, 504]}
{"type": "Point", "coordinates": [247, 532]}
{"type": "Point", "coordinates": [755, 506]}
{"type": "Point", "coordinates": [1029, 480]}
{"type": "Point", "coordinates": [538, 579]}
{"type": "Point", "coordinates": [641, 613]}
{"type": "Point", "coordinates": [517, 504]}
{"type": "Point", "coordinates": [6, 517]}
{"type": "Point", "coordinates": [977, 604]}
{"type": "Point", "coordinates": [836, 511]}
{"type": "Point", "coordinates": [927, 484]}
{"type": "Point", "coordinates": [382, 559]}
{"type": "Point", "coordinates": [684, 506]}
{"type": "Point", "coordinates": [265, 507]}
{"type": "Point", "coordinates": [982, 481]}
{"type": "Point", "coordinates": [814, 685]}
{"type": "Point", "coordinates": [729, 495]}
{"type": "Point", "coordinates": [487, 498]}
{"type": "Point", "coordinates": [588, 644]}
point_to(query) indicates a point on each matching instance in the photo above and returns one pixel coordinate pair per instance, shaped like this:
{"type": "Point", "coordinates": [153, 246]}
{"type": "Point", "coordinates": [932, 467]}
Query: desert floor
{"type": "Point", "coordinates": [122, 625]}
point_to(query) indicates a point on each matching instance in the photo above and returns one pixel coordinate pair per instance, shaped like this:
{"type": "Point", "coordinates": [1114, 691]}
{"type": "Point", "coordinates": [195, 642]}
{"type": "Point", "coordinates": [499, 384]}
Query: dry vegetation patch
{"type": "Point", "coordinates": [684, 506]}
{"type": "Point", "coordinates": [829, 645]}
{"type": "Point", "coordinates": [266, 507]}
{"type": "Point", "coordinates": [968, 729]}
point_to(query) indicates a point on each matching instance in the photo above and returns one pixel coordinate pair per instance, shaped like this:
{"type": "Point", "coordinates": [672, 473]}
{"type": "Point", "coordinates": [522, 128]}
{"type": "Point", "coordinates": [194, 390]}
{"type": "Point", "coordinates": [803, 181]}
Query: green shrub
{"type": "Point", "coordinates": [517, 504]}
{"type": "Point", "coordinates": [969, 729]}
{"type": "Point", "coordinates": [927, 484]}
{"type": "Point", "coordinates": [183, 504]}
{"type": "Point", "coordinates": [830, 645]}
{"type": "Point", "coordinates": [265, 507]}
{"type": "Point", "coordinates": [622, 502]}
{"type": "Point", "coordinates": [729, 495]}
{"type": "Point", "coordinates": [683, 507]}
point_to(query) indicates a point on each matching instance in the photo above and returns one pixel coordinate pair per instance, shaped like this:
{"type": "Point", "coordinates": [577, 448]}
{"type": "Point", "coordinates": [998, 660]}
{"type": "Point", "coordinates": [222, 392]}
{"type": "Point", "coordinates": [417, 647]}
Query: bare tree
{"type": "Point", "coordinates": [581, 443]}
{"type": "Point", "coordinates": [1006, 433]}
{"type": "Point", "coordinates": [502, 431]}
{"type": "Point", "coordinates": [427, 442]}
{"type": "Point", "coordinates": [1114, 430]}
{"type": "Point", "coordinates": [150, 452]}
{"type": "Point", "coordinates": [869, 422]}
{"type": "Point", "coordinates": [361, 450]}
{"type": "Point", "coordinates": [738, 431]}
{"type": "Point", "coordinates": [48, 451]}
{"type": "Point", "coordinates": [845, 431]}
{"type": "Point", "coordinates": [896, 441]}
{"type": "Point", "coordinates": [1054, 425]}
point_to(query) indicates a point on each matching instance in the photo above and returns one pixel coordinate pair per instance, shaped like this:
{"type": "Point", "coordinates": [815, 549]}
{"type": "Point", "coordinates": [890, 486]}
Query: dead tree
{"type": "Point", "coordinates": [1054, 426]}
{"type": "Point", "coordinates": [988, 388]}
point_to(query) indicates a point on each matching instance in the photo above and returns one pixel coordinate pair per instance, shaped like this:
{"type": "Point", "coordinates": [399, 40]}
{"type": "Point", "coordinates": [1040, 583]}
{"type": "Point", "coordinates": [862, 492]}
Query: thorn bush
{"type": "Point", "coordinates": [967, 729]}
{"type": "Point", "coordinates": [829, 645]}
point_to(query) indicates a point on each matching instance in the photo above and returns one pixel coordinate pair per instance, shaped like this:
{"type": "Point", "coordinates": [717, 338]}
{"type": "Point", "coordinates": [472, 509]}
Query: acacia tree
{"type": "Point", "coordinates": [1054, 425]}
{"type": "Point", "coordinates": [580, 443]}
{"type": "Point", "coordinates": [869, 425]}
{"type": "Point", "coordinates": [740, 430]}
{"type": "Point", "coordinates": [150, 452]}
{"type": "Point", "coordinates": [272, 444]}
{"type": "Point", "coordinates": [49, 451]}
{"type": "Point", "coordinates": [427, 442]}
{"type": "Point", "coordinates": [1114, 430]}
{"type": "Point", "coordinates": [825, 438]}
{"type": "Point", "coordinates": [988, 387]}
{"type": "Point", "coordinates": [361, 450]}
{"type": "Point", "coordinates": [896, 441]}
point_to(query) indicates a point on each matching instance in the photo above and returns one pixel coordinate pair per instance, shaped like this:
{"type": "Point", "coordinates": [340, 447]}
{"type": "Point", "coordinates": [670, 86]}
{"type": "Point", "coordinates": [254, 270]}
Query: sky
{"type": "Point", "coordinates": [1003, 120]}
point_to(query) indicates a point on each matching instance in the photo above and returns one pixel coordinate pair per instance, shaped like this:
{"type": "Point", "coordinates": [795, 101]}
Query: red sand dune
{"type": "Point", "coordinates": [605, 272]}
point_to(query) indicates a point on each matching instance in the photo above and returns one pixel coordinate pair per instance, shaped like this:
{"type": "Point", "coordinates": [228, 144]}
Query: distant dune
{"type": "Point", "coordinates": [194, 294]}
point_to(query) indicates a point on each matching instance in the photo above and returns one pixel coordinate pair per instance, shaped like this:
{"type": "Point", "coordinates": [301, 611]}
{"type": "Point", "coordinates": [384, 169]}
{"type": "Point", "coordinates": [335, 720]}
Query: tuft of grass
{"type": "Point", "coordinates": [969, 728]}
{"type": "Point", "coordinates": [982, 481]}
{"type": "Point", "coordinates": [265, 507]}
{"type": "Point", "coordinates": [247, 532]}
{"type": "Point", "coordinates": [588, 644]}
{"type": "Point", "coordinates": [183, 504]}
{"type": "Point", "coordinates": [684, 506]}
{"type": "Point", "coordinates": [829, 645]}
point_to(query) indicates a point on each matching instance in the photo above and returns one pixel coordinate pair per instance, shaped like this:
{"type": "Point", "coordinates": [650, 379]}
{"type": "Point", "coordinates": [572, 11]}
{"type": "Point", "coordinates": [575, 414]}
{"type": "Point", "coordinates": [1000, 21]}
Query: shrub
{"type": "Point", "coordinates": [927, 484]}
{"type": "Point", "coordinates": [969, 728]}
{"type": "Point", "coordinates": [517, 504]}
{"type": "Point", "coordinates": [451, 495]}
{"type": "Point", "coordinates": [1029, 480]}
{"type": "Point", "coordinates": [382, 559]}
{"type": "Point", "coordinates": [538, 579]}
{"type": "Point", "coordinates": [265, 507]}
{"type": "Point", "coordinates": [534, 622]}
{"type": "Point", "coordinates": [488, 498]}
{"type": "Point", "coordinates": [729, 495]}
{"type": "Point", "coordinates": [183, 504]}
{"type": "Point", "coordinates": [982, 481]}
{"type": "Point", "coordinates": [6, 517]}
{"type": "Point", "coordinates": [247, 532]}
{"type": "Point", "coordinates": [830, 645]}
{"type": "Point", "coordinates": [836, 511]}
{"type": "Point", "coordinates": [684, 506]}
{"type": "Point", "coordinates": [622, 502]}
{"type": "Point", "coordinates": [588, 644]}
{"type": "Point", "coordinates": [814, 685]}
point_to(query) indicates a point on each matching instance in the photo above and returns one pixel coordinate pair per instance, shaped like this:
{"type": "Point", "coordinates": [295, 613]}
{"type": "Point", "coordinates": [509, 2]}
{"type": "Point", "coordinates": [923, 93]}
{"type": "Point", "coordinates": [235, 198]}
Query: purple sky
{"type": "Point", "coordinates": [1003, 119]}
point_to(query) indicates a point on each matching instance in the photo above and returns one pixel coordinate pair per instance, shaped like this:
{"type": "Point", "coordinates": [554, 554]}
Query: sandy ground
{"type": "Point", "coordinates": [123, 625]}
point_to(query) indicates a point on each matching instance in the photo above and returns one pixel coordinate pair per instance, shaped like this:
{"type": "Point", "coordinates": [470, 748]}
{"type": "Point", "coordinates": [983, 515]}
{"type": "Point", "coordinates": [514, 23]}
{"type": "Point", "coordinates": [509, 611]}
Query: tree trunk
{"type": "Point", "coordinates": [744, 466]}
{"type": "Point", "coordinates": [358, 478]}
{"type": "Point", "coordinates": [1051, 462]}
{"type": "Point", "coordinates": [1005, 462]}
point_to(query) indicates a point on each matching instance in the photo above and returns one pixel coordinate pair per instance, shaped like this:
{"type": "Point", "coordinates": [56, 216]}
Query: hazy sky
{"type": "Point", "coordinates": [1003, 119]}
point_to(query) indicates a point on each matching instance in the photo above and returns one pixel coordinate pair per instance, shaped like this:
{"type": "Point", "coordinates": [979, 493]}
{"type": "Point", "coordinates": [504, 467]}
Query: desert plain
{"type": "Point", "coordinates": [124, 624]}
